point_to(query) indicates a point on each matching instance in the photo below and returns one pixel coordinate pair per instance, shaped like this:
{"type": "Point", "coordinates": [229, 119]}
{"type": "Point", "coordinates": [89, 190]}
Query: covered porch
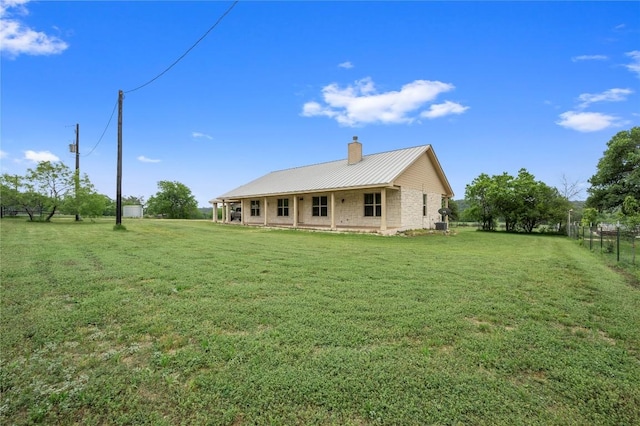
{"type": "Point", "coordinates": [331, 210]}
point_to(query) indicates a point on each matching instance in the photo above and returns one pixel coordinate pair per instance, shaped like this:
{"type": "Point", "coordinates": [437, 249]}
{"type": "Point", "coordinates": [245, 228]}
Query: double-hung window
{"type": "Point", "coordinates": [319, 206]}
{"type": "Point", "coordinates": [283, 207]}
{"type": "Point", "coordinates": [255, 207]}
{"type": "Point", "coordinates": [373, 204]}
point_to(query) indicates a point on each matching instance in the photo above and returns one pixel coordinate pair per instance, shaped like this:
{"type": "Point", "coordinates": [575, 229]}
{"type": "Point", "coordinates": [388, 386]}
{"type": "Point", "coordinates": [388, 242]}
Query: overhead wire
{"type": "Point", "coordinates": [103, 132]}
{"type": "Point", "coordinates": [162, 73]}
{"type": "Point", "coordinates": [187, 51]}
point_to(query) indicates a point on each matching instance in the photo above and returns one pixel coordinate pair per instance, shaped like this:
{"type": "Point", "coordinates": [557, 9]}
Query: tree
{"type": "Point", "coordinates": [18, 193]}
{"type": "Point", "coordinates": [559, 207]}
{"type": "Point", "coordinates": [522, 202]}
{"type": "Point", "coordinates": [51, 181]}
{"type": "Point", "coordinates": [132, 200]}
{"type": "Point", "coordinates": [618, 174]}
{"type": "Point", "coordinates": [491, 198]}
{"type": "Point", "coordinates": [84, 201]}
{"type": "Point", "coordinates": [481, 206]}
{"type": "Point", "coordinates": [569, 189]}
{"type": "Point", "coordinates": [9, 193]}
{"type": "Point", "coordinates": [109, 207]}
{"type": "Point", "coordinates": [589, 217]}
{"type": "Point", "coordinates": [631, 211]}
{"type": "Point", "coordinates": [541, 203]}
{"type": "Point", "coordinates": [508, 203]}
{"type": "Point", "coordinates": [173, 199]}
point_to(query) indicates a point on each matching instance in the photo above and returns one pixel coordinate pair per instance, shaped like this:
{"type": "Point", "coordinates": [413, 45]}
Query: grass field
{"type": "Point", "coordinates": [191, 322]}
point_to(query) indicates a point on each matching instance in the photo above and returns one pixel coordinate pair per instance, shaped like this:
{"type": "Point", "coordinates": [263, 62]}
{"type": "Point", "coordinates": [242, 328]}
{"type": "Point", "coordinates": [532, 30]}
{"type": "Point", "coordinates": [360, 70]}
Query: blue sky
{"type": "Point", "coordinates": [492, 86]}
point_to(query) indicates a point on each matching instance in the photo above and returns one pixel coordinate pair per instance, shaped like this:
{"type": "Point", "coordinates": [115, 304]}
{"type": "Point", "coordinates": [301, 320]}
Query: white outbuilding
{"type": "Point", "coordinates": [132, 211]}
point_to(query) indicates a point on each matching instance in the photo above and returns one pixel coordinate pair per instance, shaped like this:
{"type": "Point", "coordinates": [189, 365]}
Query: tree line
{"type": "Point", "coordinates": [52, 188]}
{"type": "Point", "coordinates": [522, 203]}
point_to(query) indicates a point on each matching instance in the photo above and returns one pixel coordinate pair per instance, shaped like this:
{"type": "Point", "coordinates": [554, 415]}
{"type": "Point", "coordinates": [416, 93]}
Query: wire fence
{"type": "Point", "coordinates": [618, 244]}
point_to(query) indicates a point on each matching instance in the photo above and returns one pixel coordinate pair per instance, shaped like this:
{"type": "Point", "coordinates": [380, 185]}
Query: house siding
{"type": "Point", "coordinates": [421, 175]}
{"type": "Point", "coordinates": [420, 178]}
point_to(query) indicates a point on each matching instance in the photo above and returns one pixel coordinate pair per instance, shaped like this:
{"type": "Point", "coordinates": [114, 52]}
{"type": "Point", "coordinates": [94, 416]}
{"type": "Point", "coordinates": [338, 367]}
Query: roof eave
{"type": "Point", "coordinates": [314, 191]}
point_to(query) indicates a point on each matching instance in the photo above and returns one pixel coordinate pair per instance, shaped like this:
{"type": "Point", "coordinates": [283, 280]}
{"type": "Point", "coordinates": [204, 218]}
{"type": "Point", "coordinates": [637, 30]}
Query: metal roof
{"type": "Point", "coordinates": [373, 170]}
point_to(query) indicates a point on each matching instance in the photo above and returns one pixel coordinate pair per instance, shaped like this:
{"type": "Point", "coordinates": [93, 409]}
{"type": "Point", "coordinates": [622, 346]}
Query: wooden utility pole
{"type": "Point", "coordinates": [119, 172]}
{"type": "Point", "coordinates": [77, 179]}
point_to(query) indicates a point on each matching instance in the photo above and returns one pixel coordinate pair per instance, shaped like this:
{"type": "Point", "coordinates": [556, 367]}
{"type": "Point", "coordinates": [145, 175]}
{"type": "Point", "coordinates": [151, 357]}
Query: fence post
{"type": "Point", "coordinates": [618, 244]}
{"type": "Point", "coordinates": [600, 239]}
{"type": "Point", "coordinates": [590, 239]}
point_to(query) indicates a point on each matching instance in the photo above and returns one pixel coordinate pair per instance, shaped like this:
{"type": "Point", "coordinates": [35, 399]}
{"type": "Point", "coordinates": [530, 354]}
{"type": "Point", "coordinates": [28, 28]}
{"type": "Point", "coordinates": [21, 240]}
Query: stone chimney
{"type": "Point", "coordinates": [355, 151]}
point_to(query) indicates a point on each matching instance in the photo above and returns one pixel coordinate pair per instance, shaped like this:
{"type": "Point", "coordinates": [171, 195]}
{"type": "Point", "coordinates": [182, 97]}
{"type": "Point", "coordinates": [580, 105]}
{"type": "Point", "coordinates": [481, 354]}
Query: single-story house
{"type": "Point", "coordinates": [386, 192]}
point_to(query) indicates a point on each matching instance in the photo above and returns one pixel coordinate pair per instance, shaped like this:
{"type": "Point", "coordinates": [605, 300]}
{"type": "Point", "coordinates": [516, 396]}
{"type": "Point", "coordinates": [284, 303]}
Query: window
{"type": "Point", "coordinates": [255, 207]}
{"type": "Point", "coordinates": [424, 204]}
{"type": "Point", "coordinates": [319, 206]}
{"type": "Point", "coordinates": [373, 204]}
{"type": "Point", "coordinates": [283, 207]}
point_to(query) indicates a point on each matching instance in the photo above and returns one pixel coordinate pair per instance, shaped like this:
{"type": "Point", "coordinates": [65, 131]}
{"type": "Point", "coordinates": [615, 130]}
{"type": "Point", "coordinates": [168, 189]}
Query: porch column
{"type": "Point", "coordinates": [295, 211]}
{"type": "Point", "coordinates": [446, 206]}
{"type": "Point", "coordinates": [333, 211]}
{"type": "Point", "coordinates": [215, 212]}
{"type": "Point", "coordinates": [383, 206]}
{"type": "Point", "coordinates": [265, 211]}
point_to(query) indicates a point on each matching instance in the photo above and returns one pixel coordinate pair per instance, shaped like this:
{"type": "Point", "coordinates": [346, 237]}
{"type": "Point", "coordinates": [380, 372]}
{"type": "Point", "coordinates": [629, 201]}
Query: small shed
{"type": "Point", "coordinates": [132, 211]}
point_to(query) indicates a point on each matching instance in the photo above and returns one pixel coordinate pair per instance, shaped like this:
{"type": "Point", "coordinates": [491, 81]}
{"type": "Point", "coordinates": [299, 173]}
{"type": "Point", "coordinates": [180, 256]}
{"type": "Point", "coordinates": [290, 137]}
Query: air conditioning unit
{"type": "Point", "coordinates": [441, 226]}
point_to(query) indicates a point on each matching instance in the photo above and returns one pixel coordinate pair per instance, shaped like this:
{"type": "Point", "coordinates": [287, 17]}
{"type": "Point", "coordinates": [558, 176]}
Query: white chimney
{"type": "Point", "coordinates": [355, 151]}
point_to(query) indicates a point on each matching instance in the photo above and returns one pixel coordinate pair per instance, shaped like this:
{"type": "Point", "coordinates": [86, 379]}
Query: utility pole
{"type": "Point", "coordinates": [119, 172]}
{"type": "Point", "coordinates": [76, 148]}
{"type": "Point", "coordinates": [77, 179]}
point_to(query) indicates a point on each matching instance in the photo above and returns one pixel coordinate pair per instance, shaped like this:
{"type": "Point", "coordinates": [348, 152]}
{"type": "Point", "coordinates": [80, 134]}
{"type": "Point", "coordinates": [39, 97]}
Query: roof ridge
{"type": "Point", "coordinates": [346, 159]}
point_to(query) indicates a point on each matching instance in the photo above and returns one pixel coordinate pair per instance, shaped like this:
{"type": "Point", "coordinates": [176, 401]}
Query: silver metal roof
{"type": "Point", "coordinates": [373, 170]}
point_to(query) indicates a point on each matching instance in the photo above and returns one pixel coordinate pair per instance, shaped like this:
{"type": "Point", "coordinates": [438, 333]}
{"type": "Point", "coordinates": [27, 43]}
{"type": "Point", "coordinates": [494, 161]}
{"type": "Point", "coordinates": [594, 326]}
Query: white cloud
{"type": "Point", "coordinates": [346, 65]}
{"type": "Point", "coordinates": [17, 4]}
{"type": "Point", "coordinates": [611, 95]}
{"type": "Point", "coordinates": [446, 108]}
{"type": "Point", "coordinates": [587, 121]}
{"type": "Point", "coordinates": [39, 156]}
{"type": "Point", "coordinates": [200, 135]}
{"type": "Point", "coordinates": [147, 160]}
{"type": "Point", "coordinates": [634, 66]}
{"type": "Point", "coordinates": [16, 38]}
{"type": "Point", "coordinates": [589, 58]}
{"type": "Point", "coordinates": [3, 154]}
{"type": "Point", "coordinates": [360, 103]}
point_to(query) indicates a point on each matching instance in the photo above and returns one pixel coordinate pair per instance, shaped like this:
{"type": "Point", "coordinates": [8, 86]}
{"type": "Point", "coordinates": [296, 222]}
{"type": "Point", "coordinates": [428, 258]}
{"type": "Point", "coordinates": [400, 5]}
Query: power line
{"type": "Point", "coordinates": [103, 132]}
{"type": "Point", "coordinates": [162, 73]}
{"type": "Point", "coordinates": [188, 50]}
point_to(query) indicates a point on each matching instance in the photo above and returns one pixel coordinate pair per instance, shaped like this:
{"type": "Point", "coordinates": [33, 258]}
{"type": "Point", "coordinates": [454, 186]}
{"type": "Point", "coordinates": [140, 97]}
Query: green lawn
{"type": "Point", "coordinates": [191, 322]}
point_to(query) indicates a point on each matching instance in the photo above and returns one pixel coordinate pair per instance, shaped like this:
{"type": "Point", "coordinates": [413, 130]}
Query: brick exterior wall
{"type": "Point", "coordinates": [404, 210]}
{"type": "Point", "coordinates": [349, 210]}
